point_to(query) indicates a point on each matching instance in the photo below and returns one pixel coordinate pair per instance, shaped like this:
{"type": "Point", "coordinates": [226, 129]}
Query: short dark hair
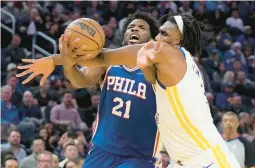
{"type": "Point", "coordinates": [230, 113]}
{"type": "Point", "coordinates": [37, 138]}
{"type": "Point", "coordinates": [192, 38]}
{"type": "Point", "coordinates": [147, 17]}
{"type": "Point", "coordinates": [67, 91]}
{"type": "Point", "coordinates": [6, 158]}
{"type": "Point", "coordinates": [13, 130]}
{"type": "Point", "coordinates": [44, 152]}
{"type": "Point", "coordinates": [69, 144]}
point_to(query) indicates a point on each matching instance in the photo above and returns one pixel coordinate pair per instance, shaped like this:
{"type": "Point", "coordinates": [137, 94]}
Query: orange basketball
{"type": "Point", "coordinates": [90, 33]}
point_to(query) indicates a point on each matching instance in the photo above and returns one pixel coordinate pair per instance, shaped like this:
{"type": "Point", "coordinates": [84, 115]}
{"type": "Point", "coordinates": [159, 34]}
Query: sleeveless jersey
{"type": "Point", "coordinates": [126, 117]}
{"type": "Point", "coordinates": [185, 121]}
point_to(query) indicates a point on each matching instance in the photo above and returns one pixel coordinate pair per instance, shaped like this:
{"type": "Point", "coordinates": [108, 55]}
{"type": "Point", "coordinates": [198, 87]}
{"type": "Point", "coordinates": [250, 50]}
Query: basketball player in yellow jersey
{"type": "Point", "coordinates": [185, 122]}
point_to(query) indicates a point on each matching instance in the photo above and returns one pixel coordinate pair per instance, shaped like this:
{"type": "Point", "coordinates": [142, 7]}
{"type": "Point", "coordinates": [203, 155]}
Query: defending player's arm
{"type": "Point", "coordinates": [163, 56]}
{"type": "Point", "coordinates": [122, 56]}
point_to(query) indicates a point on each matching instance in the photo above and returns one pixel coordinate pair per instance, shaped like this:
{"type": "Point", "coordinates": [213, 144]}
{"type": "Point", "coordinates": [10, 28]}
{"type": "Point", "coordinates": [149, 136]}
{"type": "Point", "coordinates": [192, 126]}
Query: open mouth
{"type": "Point", "coordinates": [134, 38]}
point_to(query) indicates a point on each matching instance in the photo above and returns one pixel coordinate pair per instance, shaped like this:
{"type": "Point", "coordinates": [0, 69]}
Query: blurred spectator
{"type": "Point", "coordinates": [12, 81]}
{"type": "Point", "coordinates": [155, 13]}
{"type": "Point", "coordinates": [43, 94]}
{"type": "Point", "coordinates": [234, 22]}
{"type": "Point", "coordinates": [244, 86]}
{"type": "Point", "coordinates": [88, 114]}
{"type": "Point", "coordinates": [219, 74]}
{"type": "Point", "coordinates": [253, 107]}
{"type": "Point", "coordinates": [29, 109]}
{"type": "Point", "coordinates": [217, 19]}
{"type": "Point", "coordinates": [66, 114]}
{"type": "Point", "coordinates": [13, 144]}
{"type": "Point", "coordinates": [200, 14]}
{"type": "Point", "coordinates": [211, 63]}
{"type": "Point", "coordinates": [185, 8]}
{"type": "Point", "coordinates": [9, 112]}
{"type": "Point", "coordinates": [55, 161]}
{"type": "Point", "coordinates": [38, 146]}
{"type": "Point", "coordinates": [233, 54]}
{"type": "Point", "coordinates": [244, 123]}
{"type": "Point", "coordinates": [11, 9]}
{"type": "Point", "coordinates": [228, 77]}
{"type": "Point", "coordinates": [9, 161]}
{"type": "Point", "coordinates": [223, 99]}
{"type": "Point", "coordinates": [236, 104]}
{"type": "Point", "coordinates": [224, 40]}
{"type": "Point", "coordinates": [71, 164]}
{"type": "Point", "coordinates": [81, 146]}
{"type": "Point", "coordinates": [246, 38]}
{"type": "Point", "coordinates": [213, 109]}
{"type": "Point", "coordinates": [44, 160]}
{"type": "Point", "coordinates": [239, 146]}
{"type": "Point", "coordinates": [70, 152]}
{"type": "Point", "coordinates": [13, 52]}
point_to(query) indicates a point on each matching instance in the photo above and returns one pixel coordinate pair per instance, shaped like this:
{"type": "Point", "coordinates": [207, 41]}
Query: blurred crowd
{"type": "Point", "coordinates": [54, 118]}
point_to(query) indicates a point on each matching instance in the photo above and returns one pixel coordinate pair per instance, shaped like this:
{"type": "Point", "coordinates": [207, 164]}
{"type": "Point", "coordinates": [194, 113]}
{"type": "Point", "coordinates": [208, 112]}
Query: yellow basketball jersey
{"type": "Point", "coordinates": [185, 123]}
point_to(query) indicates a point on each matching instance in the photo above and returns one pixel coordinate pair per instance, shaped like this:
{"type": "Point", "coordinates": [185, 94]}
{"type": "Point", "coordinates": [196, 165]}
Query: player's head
{"type": "Point", "coordinates": [230, 122]}
{"type": "Point", "coordinates": [183, 30]}
{"type": "Point", "coordinates": [139, 28]}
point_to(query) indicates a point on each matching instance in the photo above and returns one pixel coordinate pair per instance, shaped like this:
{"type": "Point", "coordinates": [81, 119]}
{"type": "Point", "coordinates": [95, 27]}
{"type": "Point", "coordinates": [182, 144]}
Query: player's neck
{"type": "Point", "coordinates": [230, 136]}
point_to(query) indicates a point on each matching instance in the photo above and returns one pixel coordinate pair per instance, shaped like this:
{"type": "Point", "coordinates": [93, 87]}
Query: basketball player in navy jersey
{"type": "Point", "coordinates": [126, 132]}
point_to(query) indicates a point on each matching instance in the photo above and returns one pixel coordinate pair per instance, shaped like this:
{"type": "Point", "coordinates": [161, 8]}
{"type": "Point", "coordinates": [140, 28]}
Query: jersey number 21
{"type": "Point", "coordinates": [117, 112]}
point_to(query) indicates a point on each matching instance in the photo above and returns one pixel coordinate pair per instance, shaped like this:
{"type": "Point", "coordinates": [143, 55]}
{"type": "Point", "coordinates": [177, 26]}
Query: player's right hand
{"type": "Point", "coordinates": [44, 66]}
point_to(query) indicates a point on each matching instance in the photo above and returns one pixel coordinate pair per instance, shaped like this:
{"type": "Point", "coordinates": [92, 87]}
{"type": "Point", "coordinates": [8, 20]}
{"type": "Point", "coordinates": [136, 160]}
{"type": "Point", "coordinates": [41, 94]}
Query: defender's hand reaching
{"type": "Point", "coordinates": [146, 55]}
{"type": "Point", "coordinates": [44, 66]}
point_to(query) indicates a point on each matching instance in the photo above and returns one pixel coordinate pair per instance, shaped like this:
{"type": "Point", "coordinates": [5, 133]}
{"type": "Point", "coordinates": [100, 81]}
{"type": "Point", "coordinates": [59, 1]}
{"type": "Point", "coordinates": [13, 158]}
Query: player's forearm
{"type": "Point", "coordinates": [121, 56]}
{"type": "Point", "coordinates": [76, 77]}
{"type": "Point", "coordinates": [150, 74]}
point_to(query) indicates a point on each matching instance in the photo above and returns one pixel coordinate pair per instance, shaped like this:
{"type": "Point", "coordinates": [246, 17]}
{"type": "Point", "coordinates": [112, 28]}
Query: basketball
{"type": "Point", "coordinates": [90, 33]}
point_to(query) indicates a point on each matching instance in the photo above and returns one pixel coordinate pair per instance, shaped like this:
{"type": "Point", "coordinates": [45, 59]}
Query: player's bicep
{"type": "Point", "coordinates": [171, 65]}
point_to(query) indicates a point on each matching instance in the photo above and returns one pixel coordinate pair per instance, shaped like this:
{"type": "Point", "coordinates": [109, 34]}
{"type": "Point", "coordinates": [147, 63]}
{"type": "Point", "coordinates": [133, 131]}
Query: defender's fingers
{"type": "Point", "coordinates": [43, 79]}
{"type": "Point", "coordinates": [29, 78]}
{"type": "Point", "coordinates": [24, 73]}
{"type": "Point", "coordinates": [158, 45]}
{"type": "Point", "coordinates": [24, 66]}
{"type": "Point", "coordinates": [74, 43]}
{"type": "Point", "coordinates": [28, 60]}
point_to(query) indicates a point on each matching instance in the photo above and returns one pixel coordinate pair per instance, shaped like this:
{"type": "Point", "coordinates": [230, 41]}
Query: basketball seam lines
{"type": "Point", "coordinates": [85, 36]}
{"type": "Point", "coordinates": [97, 31]}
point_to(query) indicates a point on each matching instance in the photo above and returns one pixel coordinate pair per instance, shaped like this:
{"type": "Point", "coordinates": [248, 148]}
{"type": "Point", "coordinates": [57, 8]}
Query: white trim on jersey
{"type": "Point", "coordinates": [130, 69]}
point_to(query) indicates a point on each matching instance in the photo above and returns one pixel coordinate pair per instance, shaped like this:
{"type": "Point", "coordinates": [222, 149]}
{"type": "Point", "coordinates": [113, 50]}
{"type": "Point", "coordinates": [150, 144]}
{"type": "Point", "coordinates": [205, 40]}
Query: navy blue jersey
{"type": "Point", "coordinates": [126, 118]}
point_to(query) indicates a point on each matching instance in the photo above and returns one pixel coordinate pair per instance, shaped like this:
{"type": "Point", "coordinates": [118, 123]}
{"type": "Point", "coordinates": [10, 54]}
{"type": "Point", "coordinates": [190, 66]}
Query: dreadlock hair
{"type": "Point", "coordinates": [147, 18]}
{"type": "Point", "coordinates": [192, 39]}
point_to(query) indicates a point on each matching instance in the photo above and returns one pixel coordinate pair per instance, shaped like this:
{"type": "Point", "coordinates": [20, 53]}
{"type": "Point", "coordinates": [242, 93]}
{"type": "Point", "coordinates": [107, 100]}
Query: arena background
{"type": "Point", "coordinates": [30, 29]}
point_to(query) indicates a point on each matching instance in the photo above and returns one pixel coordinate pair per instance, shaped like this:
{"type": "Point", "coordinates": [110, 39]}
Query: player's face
{"type": "Point", "coordinates": [229, 123]}
{"type": "Point", "coordinates": [138, 31]}
{"type": "Point", "coordinates": [169, 33]}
